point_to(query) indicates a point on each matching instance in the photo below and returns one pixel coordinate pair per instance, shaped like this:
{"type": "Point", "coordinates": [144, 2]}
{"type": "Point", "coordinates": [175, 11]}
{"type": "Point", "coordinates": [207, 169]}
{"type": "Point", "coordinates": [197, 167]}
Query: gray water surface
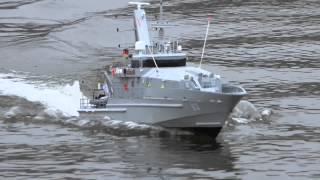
{"type": "Point", "coordinates": [49, 47]}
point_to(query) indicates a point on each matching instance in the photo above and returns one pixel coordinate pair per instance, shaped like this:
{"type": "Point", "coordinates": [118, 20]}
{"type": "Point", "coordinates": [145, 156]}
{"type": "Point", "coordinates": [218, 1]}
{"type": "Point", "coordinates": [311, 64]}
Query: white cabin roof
{"type": "Point", "coordinates": [179, 73]}
{"type": "Point", "coordinates": [175, 73]}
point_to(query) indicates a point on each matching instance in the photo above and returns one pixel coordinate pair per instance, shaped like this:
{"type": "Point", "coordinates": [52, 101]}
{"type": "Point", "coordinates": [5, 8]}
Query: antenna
{"type": "Point", "coordinates": [139, 4]}
{"type": "Point", "coordinates": [161, 10]}
{"type": "Point", "coordinates": [161, 30]}
{"type": "Point", "coordinates": [205, 40]}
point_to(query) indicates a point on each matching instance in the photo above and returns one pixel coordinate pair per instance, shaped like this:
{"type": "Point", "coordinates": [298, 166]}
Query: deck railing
{"type": "Point", "coordinates": [86, 103]}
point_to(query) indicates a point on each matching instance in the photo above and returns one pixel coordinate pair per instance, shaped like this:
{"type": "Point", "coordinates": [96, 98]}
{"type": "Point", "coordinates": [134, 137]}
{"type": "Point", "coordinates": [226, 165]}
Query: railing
{"type": "Point", "coordinates": [169, 47]}
{"type": "Point", "coordinates": [86, 103]}
{"type": "Point", "coordinates": [229, 89]}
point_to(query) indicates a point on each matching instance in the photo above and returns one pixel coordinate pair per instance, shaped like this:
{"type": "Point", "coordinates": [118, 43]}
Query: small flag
{"type": "Point", "coordinates": [105, 88]}
{"type": "Point", "coordinates": [113, 71]}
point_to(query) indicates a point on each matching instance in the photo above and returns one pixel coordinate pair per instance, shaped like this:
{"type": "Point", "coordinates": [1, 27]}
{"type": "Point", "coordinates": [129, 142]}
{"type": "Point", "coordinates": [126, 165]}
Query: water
{"type": "Point", "coordinates": [49, 48]}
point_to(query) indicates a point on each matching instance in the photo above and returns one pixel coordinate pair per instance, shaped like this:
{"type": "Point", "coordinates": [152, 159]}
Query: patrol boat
{"type": "Point", "coordinates": [156, 86]}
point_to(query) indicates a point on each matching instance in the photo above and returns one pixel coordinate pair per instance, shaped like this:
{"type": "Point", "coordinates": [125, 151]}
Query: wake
{"type": "Point", "coordinates": [64, 99]}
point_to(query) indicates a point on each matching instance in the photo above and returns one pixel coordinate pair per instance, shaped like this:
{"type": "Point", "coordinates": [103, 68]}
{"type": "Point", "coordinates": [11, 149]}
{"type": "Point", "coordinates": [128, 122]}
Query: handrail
{"type": "Point", "coordinates": [154, 60]}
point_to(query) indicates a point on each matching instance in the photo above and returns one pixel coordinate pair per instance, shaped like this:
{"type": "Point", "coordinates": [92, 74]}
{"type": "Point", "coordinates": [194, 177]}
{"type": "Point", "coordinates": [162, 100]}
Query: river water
{"type": "Point", "coordinates": [48, 48]}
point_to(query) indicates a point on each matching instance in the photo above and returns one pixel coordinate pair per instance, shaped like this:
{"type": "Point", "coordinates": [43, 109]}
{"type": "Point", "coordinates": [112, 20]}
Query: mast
{"type": "Point", "coordinates": [161, 11]}
{"type": "Point", "coordinates": [161, 30]}
{"type": "Point", "coordinates": [140, 23]}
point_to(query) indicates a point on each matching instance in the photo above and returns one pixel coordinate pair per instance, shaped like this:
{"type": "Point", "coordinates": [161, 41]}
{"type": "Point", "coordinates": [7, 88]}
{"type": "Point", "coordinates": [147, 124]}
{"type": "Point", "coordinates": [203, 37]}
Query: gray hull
{"type": "Point", "coordinates": [204, 113]}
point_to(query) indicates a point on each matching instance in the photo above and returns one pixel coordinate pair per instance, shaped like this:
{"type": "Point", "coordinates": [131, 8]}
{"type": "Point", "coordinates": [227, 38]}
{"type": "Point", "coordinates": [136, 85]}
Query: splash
{"type": "Point", "coordinates": [26, 111]}
{"type": "Point", "coordinates": [64, 99]}
{"type": "Point", "coordinates": [18, 109]}
{"type": "Point", "coordinates": [38, 103]}
{"type": "Point", "coordinates": [246, 112]}
{"type": "Point", "coordinates": [60, 104]}
{"type": "Point", "coordinates": [14, 111]}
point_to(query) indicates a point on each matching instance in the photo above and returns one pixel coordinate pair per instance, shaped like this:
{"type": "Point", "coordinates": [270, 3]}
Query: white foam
{"type": "Point", "coordinates": [62, 98]}
{"type": "Point", "coordinates": [241, 120]}
{"type": "Point", "coordinates": [266, 112]}
{"type": "Point", "coordinates": [12, 112]}
{"type": "Point", "coordinates": [133, 125]}
{"type": "Point", "coordinates": [245, 110]}
{"type": "Point", "coordinates": [83, 122]}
